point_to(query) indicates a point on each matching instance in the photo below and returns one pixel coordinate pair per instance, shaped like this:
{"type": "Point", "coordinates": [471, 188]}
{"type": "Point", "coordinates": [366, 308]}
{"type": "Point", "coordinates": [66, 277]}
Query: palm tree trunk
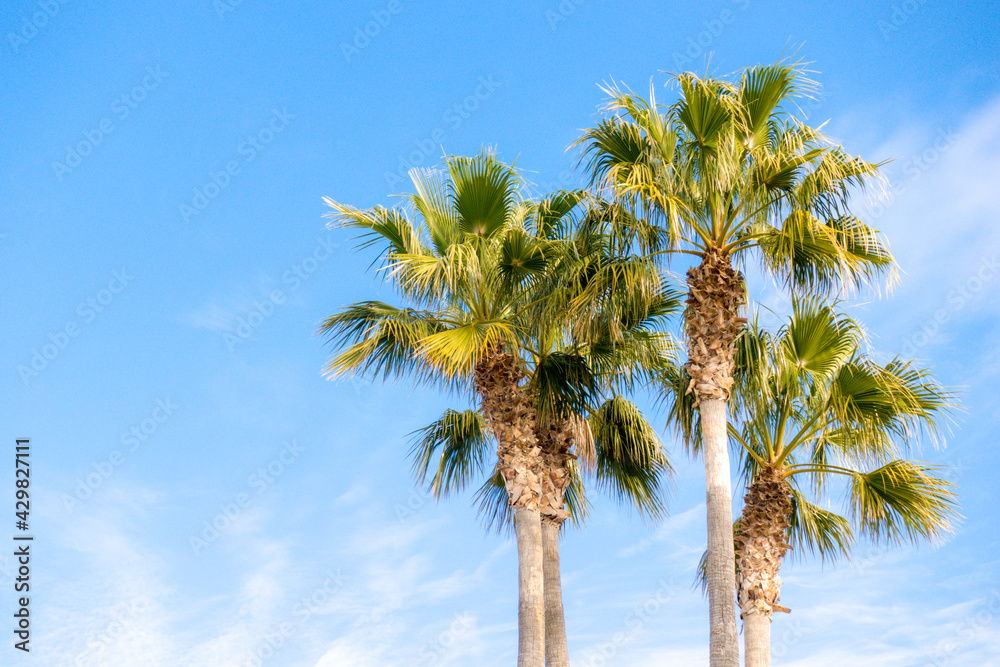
{"type": "Point", "coordinates": [530, 581]}
{"type": "Point", "coordinates": [712, 324]}
{"type": "Point", "coordinates": [511, 416]}
{"type": "Point", "coordinates": [556, 650]}
{"type": "Point", "coordinates": [757, 638]}
{"type": "Point", "coordinates": [721, 573]}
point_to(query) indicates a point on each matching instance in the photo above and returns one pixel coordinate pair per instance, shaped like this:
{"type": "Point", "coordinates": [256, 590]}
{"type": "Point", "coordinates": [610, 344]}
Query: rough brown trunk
{"type": "Point", "coordinates": [760, 546]}
{"type": "Point", "coordinates": [555, 440]}
{"type": "Point", "coordinates": [712, 324]}
{"type": "Point", "coordinates": [511, 416]}
{"type": "Point", "coordinates": [556, 649]}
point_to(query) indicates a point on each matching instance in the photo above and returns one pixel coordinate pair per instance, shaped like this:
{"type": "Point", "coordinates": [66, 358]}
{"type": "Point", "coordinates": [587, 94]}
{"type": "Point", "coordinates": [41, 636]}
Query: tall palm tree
{"type": "Point", "coordinates": [727, 174]}
{"type": "Point", "coordinates": [614, 444]}
{"type": "Point", "coordinates": [625, 302]}
{"type": "Point", "coordinates": [814, 408]}
{"type": "Point", "coordinates": [466, 270]}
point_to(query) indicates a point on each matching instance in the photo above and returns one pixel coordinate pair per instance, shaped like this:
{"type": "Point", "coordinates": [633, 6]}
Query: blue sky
{"type": "Point", "coordinates": [164, 255]}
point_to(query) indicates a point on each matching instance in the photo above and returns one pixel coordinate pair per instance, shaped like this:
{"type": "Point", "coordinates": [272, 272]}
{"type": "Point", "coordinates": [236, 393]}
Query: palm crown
{"type": "Point", "coordinates": [727, 169]}
{"type": "Point", "coordinates": [814, 406]}
{"type": "Point", "coordinates": [464, 268]}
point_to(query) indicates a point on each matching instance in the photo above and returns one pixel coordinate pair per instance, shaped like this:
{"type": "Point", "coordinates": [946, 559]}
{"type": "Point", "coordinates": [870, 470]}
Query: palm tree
{"type": "Point", "coordinates": [614, 444]}
{"type": "Point", "coordinates": [466, 270]}
{"type": "Point", "coordinates": [814, 409]}
{"type": "Point", "coordinates": [726, 174]}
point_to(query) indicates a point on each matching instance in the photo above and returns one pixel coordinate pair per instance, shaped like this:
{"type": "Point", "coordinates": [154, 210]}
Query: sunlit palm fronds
{"type": "Point", "coordinates": [460, 442]}
{"type": "Point", "coordinates": [728, 166]}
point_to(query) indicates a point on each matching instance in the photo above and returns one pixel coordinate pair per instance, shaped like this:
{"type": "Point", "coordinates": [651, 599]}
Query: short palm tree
{"type": "Point", "coordinates": [724, 175]}
{"type": "Point", "coordinates": [813, 409]}
{"type": "Point", "coordinates": [466, 270]}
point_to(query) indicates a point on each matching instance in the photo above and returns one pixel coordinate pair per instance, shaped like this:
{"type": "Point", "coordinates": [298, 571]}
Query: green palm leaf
{"type": "Point", "coordinates": [631, 462]}
{"type": "Point", "coordinates": [382, 225]}
{"type": "Point", "coordinates": [382, 340]}
{"type": "Point", "coordinates": [456, 350]}
{"type": "Point", "coordinates": [903, 501]}
{"type": "Point", "coordinates": [431, 200]}
{"type": "Point", "coordinates": [816, 342]}
{"type": "Point", "coordinates": [484, 192]}
{"type": "Point", "coordinates": [461, 442]}
{"type": "Point", "coordinates": [818, 531]}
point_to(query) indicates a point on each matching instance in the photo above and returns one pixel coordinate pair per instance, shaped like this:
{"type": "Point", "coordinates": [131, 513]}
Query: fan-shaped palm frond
{"type": "Point", "coordinates": [462, 445]}
{"type": "Point", "coordinates": [631, 462]}
{"type": "Point", "coordinates": [381, 340]}
{"type": "Point", "coordinates": [484, 192]}
{"type": "Point", "coordinates": [818, 531]}
{"type": "Point", "coordinates": [902, 501]}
